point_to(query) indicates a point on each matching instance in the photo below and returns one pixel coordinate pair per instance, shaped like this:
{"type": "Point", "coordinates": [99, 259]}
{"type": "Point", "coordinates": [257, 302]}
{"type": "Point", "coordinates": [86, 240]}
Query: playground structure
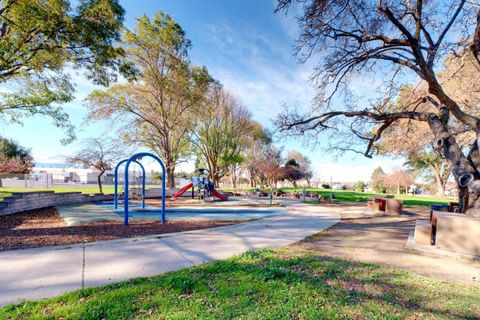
{"type": "Point", "coordinates": [134, 158]}
{"type": "Point", "coordinates": [204, 186]}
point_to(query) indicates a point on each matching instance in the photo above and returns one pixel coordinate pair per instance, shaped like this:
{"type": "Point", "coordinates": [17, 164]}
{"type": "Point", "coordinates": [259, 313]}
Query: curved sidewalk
{"type": "Point", "coordinates": [47, 272]}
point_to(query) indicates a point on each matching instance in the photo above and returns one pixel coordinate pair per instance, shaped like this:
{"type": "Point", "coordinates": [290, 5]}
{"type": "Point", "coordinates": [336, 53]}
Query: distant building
{"type": "Point", "coordinates": [69, 174]}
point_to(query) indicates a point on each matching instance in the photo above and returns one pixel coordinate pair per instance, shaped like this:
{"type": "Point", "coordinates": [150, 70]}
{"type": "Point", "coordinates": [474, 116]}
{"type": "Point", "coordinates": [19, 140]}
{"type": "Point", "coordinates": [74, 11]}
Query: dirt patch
{"type": "Point", "coordinates": [382, 239]}
{"type": "Point", "coordinates": [45, 227]}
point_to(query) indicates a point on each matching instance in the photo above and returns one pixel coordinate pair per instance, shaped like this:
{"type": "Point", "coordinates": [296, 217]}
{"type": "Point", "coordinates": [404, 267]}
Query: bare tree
{"type": "Point", "coordinates": [270, 166]}
{"type": "Point", "coordinates": [392, 38]}
{"type": "Point", "coordinates": [396, 180]}
{"type": "Point", "coordinates": [258, 141]}
{"type": "Point", "coordinates": [99, 154]}
{"type": "Point", "coordinates": [234, 173]}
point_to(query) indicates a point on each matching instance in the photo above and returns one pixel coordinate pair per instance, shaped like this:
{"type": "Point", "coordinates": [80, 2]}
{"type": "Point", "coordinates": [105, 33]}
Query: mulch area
{"type": "Point", "coordinates": [45, 227]}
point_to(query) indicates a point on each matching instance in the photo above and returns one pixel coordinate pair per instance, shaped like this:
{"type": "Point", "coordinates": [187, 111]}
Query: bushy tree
{"type": "Point", "coordinates": [376, 180]}
{"type": "Point", "coordinates": [360, 186]}
{"type": "Point", "coordinates": [304, 164]}
{"type": "Point", "coordinates": [38, 39]}
{"type": "Point", "coordinates": [292, 172]}
{"type": "Point", "coordinates": [158, 105]}
{"type": "Point", "coordinates": [14, 158]}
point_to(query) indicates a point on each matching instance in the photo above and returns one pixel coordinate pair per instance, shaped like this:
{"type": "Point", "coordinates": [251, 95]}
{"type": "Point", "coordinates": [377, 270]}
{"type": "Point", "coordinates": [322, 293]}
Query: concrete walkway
{"type": "Point", "coordinates": [47, 272]}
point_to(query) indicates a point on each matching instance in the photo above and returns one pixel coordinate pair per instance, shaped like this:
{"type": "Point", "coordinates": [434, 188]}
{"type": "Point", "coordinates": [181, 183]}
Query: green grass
{"type": "Point", "coordinates": [340, 195]}
{"type": "Point", "coordinates": [280, 284]}
{"type": "Point", "coordinates": [354, 196]}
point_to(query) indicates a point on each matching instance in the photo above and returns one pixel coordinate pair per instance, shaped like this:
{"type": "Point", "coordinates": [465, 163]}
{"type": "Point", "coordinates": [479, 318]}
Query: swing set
{"type": "Point", "coordinates": [135, 159]}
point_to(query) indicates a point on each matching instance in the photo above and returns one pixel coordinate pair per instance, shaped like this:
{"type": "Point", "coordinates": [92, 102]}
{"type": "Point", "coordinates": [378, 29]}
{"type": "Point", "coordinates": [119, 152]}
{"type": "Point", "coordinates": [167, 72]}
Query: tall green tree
{"type": "Point", "coordinates": [376, 180]}
{"type": "Point", "coordinates": [221, 132]}
{"type": "Point", "coordinates": [39, 38]}
{"type": "Point", "coordinates": [157, 106]}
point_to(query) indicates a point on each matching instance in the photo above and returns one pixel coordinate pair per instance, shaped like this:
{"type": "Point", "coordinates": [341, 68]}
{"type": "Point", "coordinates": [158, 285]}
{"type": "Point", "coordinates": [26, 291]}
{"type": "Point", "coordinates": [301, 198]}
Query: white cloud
{"type": "Point", "coordinates": [259, 70]}
{"type": "Point", "coordinates": [354, 172]}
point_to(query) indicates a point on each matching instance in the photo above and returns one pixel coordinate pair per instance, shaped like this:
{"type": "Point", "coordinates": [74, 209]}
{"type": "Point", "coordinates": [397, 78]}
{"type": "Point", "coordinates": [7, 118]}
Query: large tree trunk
{"type": "Point", "coordinates": [216, 179]}
{"type": "Point", "coordinates": [440, 185]}
{"type": "Point", "coordinates": [233, 180]}
{"type": "Point", "coordinates": [462, 168]}
{"type": "Point", "coordinates": [170, 176]}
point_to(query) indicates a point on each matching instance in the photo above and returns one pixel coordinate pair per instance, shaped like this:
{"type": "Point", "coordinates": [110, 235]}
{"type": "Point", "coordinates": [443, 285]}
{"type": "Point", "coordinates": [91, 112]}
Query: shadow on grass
{"type": "Point", "coordinates": [266, 285]}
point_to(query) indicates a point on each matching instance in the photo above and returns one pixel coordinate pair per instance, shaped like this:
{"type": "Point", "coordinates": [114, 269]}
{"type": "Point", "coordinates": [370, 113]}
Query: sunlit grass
{"type": "Point", "coordinates": [280, 284]}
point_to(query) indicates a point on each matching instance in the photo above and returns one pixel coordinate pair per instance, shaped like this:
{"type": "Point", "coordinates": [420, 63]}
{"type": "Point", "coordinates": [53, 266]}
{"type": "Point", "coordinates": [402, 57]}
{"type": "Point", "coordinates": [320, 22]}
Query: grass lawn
{"type": "Point", "coordinates": [340, 195]}
{"type": "Point", "coordinates": [408, 200]}
{"type": "Point", "coordinates": [353, 196]}
{"type": "Point", "coordinates": [267, 284]}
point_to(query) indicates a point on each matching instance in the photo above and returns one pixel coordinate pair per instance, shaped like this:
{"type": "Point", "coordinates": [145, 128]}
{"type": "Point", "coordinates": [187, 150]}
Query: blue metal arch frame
{"type": "Point", "coordinates": [115, 200]}
{"type": "Point", "coordinates": [129, 161]}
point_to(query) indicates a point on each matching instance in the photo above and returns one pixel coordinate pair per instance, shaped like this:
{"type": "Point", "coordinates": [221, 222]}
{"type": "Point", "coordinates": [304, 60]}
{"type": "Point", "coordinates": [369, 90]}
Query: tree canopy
{"type": "Point", "coordinates": [14, 158]}
{"type": "Point", "coordinates": [39, 39]}
{"type": "Point", "coordinates": [158, 105]}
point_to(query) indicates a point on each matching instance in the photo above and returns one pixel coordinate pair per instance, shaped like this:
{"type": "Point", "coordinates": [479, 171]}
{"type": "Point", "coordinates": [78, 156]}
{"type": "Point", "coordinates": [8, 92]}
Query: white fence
{"type": "Point", "coordinates": [49, 181]}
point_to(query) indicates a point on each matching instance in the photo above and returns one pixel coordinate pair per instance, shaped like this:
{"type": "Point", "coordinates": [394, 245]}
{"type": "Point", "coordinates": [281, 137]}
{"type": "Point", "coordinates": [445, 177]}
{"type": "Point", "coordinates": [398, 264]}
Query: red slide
{"type": "Point", "coordinates": [219, 195]}
{"type": "Point", "coordinates": [182, 191]}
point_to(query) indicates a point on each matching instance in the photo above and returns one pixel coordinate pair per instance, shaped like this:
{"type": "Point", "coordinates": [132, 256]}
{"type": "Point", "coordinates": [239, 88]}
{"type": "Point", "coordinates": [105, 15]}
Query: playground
{"type": "Point", "coordinates": [133, 234]}
{"type": "Point", "coordinates": [45, 218]}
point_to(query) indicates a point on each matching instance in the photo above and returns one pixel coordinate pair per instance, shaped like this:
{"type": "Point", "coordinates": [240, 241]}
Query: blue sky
{"type": "Point", "coordinates": [248, 48]}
